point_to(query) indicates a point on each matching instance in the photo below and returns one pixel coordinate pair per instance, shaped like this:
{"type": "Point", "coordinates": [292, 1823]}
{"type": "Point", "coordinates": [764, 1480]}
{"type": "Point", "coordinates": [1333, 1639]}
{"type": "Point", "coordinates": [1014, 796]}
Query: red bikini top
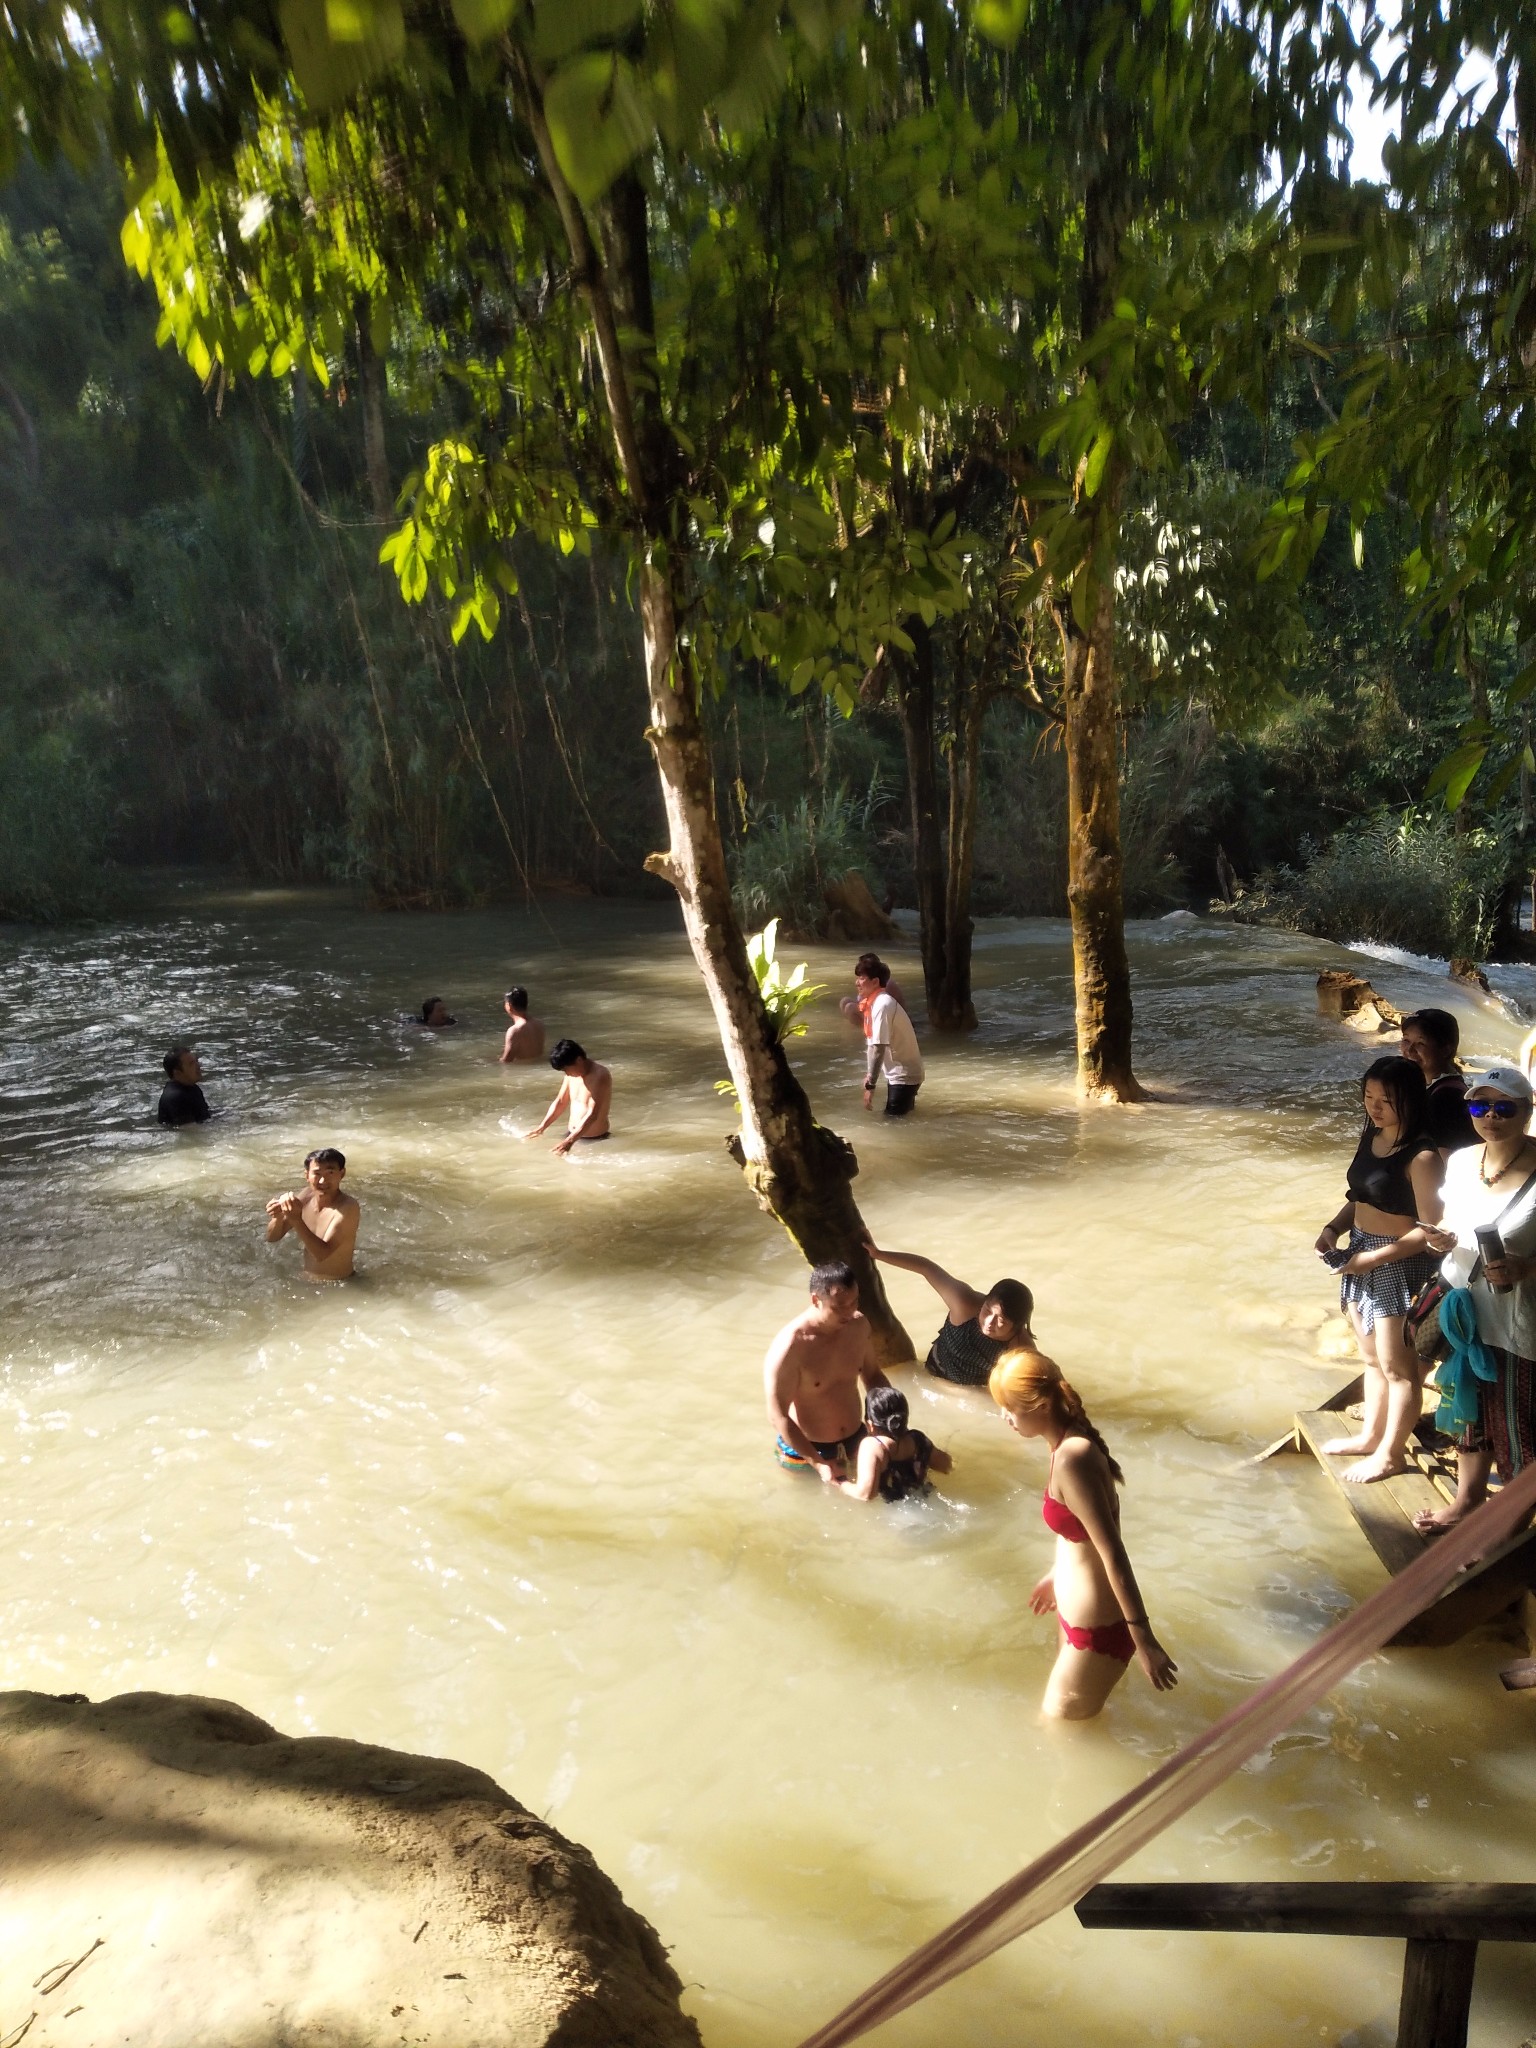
{"type": "Point", "coordinates": [1058, 1517]}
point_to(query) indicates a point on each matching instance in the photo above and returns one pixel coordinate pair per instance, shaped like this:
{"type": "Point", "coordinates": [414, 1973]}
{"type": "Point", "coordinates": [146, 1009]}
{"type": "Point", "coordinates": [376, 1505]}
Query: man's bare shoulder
{"type": "Point", "coordinates": [791, 1332]}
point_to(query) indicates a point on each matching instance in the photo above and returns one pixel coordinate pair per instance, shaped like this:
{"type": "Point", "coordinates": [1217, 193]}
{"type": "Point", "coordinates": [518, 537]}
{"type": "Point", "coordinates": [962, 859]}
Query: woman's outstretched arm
{"type": "Point", "coordinates": [962, 1302]}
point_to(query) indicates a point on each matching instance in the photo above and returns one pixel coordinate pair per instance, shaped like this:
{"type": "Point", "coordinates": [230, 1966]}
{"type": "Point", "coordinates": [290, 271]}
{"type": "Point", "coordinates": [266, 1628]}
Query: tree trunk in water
{"type": "Point", "coordinates": [799, 1171]}
{"type": "Point", "coordinates": [951, 1007]}
{"type": "Point", "coordinates": [1094, 867]}
{"type": "Point", "coordinates": [916, 703]}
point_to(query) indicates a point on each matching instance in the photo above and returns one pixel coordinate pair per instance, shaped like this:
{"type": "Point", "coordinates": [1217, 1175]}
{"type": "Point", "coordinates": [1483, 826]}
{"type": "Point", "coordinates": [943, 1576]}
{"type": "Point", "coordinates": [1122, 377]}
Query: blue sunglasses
{"type": "Point", "coordinates": [1497, 1108]}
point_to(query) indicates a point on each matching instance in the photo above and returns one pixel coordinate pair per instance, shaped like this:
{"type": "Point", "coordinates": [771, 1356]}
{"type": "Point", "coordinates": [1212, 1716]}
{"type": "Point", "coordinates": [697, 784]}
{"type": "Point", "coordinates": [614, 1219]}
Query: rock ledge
{"type": "Point", "coordinates": [177, 1872]}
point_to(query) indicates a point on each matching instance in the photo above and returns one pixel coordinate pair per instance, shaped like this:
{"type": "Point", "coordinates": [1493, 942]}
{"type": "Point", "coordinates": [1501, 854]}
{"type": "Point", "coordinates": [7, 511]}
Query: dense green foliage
{"type": "Point", "coordinates": [855, 322]}
{"type": "Point", "coordinates": [204, 661]}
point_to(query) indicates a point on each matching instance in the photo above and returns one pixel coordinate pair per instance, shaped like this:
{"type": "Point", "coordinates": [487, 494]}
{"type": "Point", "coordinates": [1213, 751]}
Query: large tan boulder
{"type": "Point", "coordinates": [852, 912]}
{"type": "Point", "coordinates": [176, 1874]}
{"type": "Point", "coordinates": [1355, 1003]}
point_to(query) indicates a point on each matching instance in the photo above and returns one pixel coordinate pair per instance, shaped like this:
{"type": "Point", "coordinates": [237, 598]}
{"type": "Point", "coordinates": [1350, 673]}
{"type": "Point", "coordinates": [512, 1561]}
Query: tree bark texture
{"type": "Point", "coordinates": [954, 1009]}
{"type": "Point", "coordinates": [799, 1171]}
{"type": "Point", "coordinates": [1095, 869]}
{"type": "Point", "coordinates": [1095, 892]}
{"type": "Point", "coordinates": [916, 701]}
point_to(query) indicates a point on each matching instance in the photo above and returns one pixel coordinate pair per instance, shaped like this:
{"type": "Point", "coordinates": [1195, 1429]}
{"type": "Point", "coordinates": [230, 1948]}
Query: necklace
{"type": "Point", "coordinates": [1492, 1181]}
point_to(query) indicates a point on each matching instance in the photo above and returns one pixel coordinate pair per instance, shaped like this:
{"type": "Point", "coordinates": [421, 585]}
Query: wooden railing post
{"type": "Point", "coordinates": [1437, 1994]}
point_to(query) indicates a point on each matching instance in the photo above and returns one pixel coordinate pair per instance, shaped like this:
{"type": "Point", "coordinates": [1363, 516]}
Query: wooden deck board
{"type": "Point", "coordinates": [1382, 1509]}
{"type": "Point", "coordinates": [1484, 1590]}
{"type": "Point", "coordinates": [1411, 1911]}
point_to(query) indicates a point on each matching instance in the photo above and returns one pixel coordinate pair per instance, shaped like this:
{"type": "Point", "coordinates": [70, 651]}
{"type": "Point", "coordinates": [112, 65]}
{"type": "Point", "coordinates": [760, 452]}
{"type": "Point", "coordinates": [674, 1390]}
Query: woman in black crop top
{"type": "Point", "coordinates": [1393, 1189]}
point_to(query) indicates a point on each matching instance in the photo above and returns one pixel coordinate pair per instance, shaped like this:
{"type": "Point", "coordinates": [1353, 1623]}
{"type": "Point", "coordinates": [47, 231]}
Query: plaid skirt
{"type": "Point", "coordinates": [1386, 1290]}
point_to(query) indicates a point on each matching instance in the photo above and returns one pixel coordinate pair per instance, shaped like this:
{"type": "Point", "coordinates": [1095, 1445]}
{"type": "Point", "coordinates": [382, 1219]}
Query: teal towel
{"type": "Point", "coordinates": [1469, 1362]}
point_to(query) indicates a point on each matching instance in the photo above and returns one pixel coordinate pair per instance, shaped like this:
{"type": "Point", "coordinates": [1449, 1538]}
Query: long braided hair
{"type": "Point", "coordinates": [1026, 1381]}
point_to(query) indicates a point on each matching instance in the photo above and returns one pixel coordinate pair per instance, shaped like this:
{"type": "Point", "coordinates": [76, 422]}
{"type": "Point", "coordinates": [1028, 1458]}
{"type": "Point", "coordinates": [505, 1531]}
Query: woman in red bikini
{"type": "Point", "coordinates": [1091, 1586]}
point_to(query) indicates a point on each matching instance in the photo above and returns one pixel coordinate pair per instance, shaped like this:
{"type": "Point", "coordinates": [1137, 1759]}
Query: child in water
{"type": "Point", "coordinates": [894, 1459]}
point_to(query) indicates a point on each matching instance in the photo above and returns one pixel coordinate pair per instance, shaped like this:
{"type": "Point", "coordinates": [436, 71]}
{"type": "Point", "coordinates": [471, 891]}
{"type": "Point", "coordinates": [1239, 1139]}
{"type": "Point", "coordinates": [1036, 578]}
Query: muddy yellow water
{"type": "Point", "coordinates": [509, 1498]}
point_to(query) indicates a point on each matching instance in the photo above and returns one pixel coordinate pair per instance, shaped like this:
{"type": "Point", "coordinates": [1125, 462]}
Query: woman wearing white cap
{"type": "Point", "coordinates": [1494, 1186]}
{"type": "Point", "coordinates": [1393, 1190]}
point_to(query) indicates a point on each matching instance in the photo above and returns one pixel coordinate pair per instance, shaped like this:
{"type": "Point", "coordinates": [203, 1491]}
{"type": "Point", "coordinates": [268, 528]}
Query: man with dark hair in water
{"type": "Point", "coordinates": [525, 1034]}
{"type": "Point", "coordinates": [891, 1041]}
{"type": "Point", "coordinates": [323, 1219]}
{"type": "Point", "coordinates": [586, 1091]}
{"type": "Point", "coordinates": [181, 1100]}
{"type": "Point", "coordinates": [434, 1015]}
{"type": "Point", "coordinates": [818, 1369]}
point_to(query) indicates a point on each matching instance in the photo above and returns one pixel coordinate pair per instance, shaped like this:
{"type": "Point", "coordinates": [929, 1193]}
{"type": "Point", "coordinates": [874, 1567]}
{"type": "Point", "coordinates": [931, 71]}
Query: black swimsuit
{"type": "Point", "coordinates": [1384, 1183]}
{"type": "Point", "coordinates": [907, 1475]}
{"type": "Point", "coordinates": [962, 1355]}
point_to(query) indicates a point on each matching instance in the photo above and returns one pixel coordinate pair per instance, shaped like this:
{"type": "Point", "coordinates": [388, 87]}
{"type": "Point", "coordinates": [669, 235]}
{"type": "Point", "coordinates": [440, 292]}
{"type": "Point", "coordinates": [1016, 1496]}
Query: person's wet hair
{"type": "Point", "coordinates": [1026, 1381]}
{"type": "Point", "coordinates": [326, 1156]}
{"type": "Point", "coordinates": [1406, 1089]}
{"type": "Point", "coordinates": [174, 1058]}
{"type": "Point", "coordinates": [517, 997]}
{"type": "Point", "coordinates": [1015, 1301]}
{"type": "Point", "coordinates": [885, 1410]}
{"type": "Point", "coordinates": [429, 1006]}
{"type": "Point", "coordinates": [566, 1054]}
{"type": "Point", "coordinates": [1439, 1027]}
{"type": "Point", "coordinates": [873, 967]}
{"type": "Point", "coordinates": [832, 1273]}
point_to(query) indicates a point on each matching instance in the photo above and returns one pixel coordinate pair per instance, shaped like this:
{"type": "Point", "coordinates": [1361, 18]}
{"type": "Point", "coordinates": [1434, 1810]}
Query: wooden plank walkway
{"type": "Point", "coordinates": [1384, 1511]}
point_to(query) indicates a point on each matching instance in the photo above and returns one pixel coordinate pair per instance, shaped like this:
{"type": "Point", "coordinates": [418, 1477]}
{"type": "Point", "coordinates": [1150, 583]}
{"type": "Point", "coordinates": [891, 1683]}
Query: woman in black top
{"type": "Point", "coordinates": [1393, 1190]}
{"type": "Point", "coordinates": [1431, 1039]}
{"type": "Point", "coordinates": [979, 1327]}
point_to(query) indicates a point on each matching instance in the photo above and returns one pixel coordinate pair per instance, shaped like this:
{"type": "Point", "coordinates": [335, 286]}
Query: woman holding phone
{"type": "Point", "coordinates": [1392, 1192]}
{"type": "Point", "coordinates": [1491, 1188]}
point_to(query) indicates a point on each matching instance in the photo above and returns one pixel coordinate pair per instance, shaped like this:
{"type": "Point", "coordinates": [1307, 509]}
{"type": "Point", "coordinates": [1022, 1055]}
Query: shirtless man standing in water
{"type": "Point", "coordinates": [525, 1034]}
{"type": "Point", "coordinates": [814, 1372]}
{"type": "Point", "coordinates": [324, 1219]}
{"type": "Point", "coordinates": [586, 1091]}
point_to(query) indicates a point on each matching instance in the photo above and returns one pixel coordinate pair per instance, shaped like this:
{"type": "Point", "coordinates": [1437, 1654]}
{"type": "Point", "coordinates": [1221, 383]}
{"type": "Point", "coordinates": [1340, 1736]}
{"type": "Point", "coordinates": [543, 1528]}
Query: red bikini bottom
{"type": "Point", "coordinates": [1112, 1640]}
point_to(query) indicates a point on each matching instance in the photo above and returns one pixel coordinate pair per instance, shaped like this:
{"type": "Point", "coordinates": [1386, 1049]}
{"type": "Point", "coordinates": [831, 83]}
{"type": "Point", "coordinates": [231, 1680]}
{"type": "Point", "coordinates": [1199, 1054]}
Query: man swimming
{"type": "Point", "coordinates": [818, 1369]}
{"type": "Point", "coordinates": [181, 1100]}
{"type": "Point", "coordinates": [324, 1220]}
{"type": "Point", "coordinates": [434, 1015]}
{"type": "Point", "coordinates": [525, 1034]}
{"type": "Point", "coordinates": [585, 1094]}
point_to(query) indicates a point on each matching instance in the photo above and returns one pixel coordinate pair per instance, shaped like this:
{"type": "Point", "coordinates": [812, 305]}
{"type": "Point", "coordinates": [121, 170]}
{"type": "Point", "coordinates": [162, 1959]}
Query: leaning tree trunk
{"type": "Point", "coordinates": [799, 1171]}
{"type": "Point", "coordinates": [916, 703]}
{"type": "Point", "coordinates": [1094, 867]}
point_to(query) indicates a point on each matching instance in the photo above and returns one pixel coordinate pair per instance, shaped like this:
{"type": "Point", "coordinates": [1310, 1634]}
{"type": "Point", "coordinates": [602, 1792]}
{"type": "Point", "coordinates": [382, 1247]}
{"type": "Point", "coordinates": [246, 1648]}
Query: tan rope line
{"type": "Point", "coordinates": [1061, 1876]}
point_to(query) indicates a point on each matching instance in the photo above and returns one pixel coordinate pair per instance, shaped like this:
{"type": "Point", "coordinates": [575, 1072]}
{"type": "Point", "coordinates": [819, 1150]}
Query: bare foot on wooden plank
{"type": "Point", "coordinates": [1379, 1467]}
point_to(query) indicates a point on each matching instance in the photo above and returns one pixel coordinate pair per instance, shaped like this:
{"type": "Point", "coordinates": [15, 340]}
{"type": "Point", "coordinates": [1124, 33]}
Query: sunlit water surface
{"type": "Point", "coordinates": [509, 1498]}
